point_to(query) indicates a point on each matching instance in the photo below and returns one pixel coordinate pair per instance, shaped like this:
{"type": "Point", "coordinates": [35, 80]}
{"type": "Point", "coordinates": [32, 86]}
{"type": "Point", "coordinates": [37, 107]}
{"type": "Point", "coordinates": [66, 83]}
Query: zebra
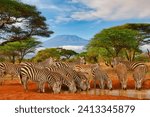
{"type": "Point", "coordinates": [43, 64]}
{"type": "Point", "coordinates": [2, 72]}
{"type": "Point", "coordinates": [81, 84]}
{"type": "Point", "coordinates": [14, 70]}
{"type": "Point", "coordinates": [70, 84]}
{"type": "Point", "coordinates": [86, 69]}
{"type": "Point", "coordinates": [1, 77]}
{"type": "Point", "coordinates": [121, 71]}
{"type": "Point", "coordinates": [82, 60]}
{"type": "Point", "coordinates": [47, 62]}
{"type": "Point", "coordinates": [68, 81]}
{"type": "Point", "coordinates": [134, 67]}
{"type": "Point", "coordinates": [139, 75]}
{"type": "Point", "coordinates": [10, 69]}
{"type": "Point", "coordinates": [101, 76]}
{"type": "Point", "coordinates": [85, 79]}
{"type": "Point", "coordinates": [40, 76]}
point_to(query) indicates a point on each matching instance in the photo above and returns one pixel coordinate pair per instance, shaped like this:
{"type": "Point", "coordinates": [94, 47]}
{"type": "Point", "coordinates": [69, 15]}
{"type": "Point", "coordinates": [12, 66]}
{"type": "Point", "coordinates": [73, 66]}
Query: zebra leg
{"type": "Point", "coordinates": [24, 80]}
{"type": "Point", "coordinates": [12, 77]}
{"type": "Point", "coordinates": [20, 77]}
{"type": "Point", "coordinates": [102, 84]}
{"type": "Point", "coordinates": [38, 87]}
{"type": "Point", "coordinates": [135, 85]}
{"type": "Point", "coordinates": [43, 87]}
{"type": "Point", "coordinates": [94, 81]}
{"type": "Point", "coordinates": [1, 78]}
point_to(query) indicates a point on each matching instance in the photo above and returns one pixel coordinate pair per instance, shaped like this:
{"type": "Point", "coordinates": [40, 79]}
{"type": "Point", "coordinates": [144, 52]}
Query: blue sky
{"type": "Point", "coordinates": [85, 18]}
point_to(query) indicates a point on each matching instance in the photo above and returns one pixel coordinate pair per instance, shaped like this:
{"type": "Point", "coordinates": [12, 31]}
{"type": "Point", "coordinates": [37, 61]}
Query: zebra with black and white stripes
{"type": "Point", "coordinates": [121, 71]}
{"type": "Point", "coordinates": [101, 76]}
{"type": "Point", "coordinates": [1, 77]}
{"type": "Point", "coordinates": [2, 72]}
{"type": "Point", "coordinates": [81, 84]}
{"type": "Point", "coordinates": [84, 78]}
{"type": "Point", "coordinates": [40, 76]}
{"type": "Point", "coordinates": [7, 68]}
{"type": "Point", "coordinates": [139, 70]}
{"type": "Point", "coordinates": [139, 75]}
{"type": "Point", "coordinates": [68, 81]}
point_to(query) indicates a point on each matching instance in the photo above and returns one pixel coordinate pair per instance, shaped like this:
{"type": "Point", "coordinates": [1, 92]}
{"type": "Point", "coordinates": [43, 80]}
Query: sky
{"type": "Point", "coordinates": [85, 18]}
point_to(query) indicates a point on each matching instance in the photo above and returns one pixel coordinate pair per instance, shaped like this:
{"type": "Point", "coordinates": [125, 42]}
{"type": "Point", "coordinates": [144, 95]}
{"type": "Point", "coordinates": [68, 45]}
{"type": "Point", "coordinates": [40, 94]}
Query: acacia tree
{"type": "Point", "coordinates": [18, 49]}
{"type": "Point", "coordinates": [114, 40]}
{"type": "Point", "coordinates": [18, 21]}
{"type": "Point", "coordinates": [142, 28]}
{"type": "Point", "coordinates": [143, 36]}
{"type": "Point", "coordinates": [46, 53]}
{"type": "Point", "coordinates": [66, 53]}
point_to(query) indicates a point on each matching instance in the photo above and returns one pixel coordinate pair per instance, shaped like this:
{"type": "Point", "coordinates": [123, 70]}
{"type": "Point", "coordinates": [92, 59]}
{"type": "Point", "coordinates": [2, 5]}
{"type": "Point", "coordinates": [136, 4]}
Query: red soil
{"type": "Point", "coordinates": [13, 90]}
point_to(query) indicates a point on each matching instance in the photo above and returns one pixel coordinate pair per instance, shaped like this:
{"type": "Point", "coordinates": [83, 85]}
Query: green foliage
{"type": "Point", "coordinates": [55, 53]}
{"type": "Point", "coordinates": [46, 53]}
{"type": "Point", "coordinates": [142, 28]}
{"type": "Point", "coordinates": [19, 49]}
{"type": "Point", "coordinates": [32, 23]}
{"type": "Point", "coordinates": [82, 54]}
{"type": "Point", "coordinates": [112, 42]}
{"type": "Point", "coordinates": [67, 53]}
{"type": "Point", "coordinates": [142, 57]}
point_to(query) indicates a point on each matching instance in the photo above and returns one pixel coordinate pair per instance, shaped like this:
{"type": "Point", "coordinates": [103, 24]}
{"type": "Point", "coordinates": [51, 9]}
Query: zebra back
{"type": "Point", "coordinates": [130, 65]}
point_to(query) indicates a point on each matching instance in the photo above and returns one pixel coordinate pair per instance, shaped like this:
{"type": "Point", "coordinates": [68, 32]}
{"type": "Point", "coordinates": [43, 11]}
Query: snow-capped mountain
{"type": "Point", "coordinates": [65, 40]}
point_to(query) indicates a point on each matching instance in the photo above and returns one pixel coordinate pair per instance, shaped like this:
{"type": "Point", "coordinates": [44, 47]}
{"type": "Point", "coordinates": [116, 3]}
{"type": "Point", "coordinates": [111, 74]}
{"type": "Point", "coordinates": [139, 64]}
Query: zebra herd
{"type": "Point", "coordinates": [58, 74]}
{"type": "Point", "coordinates": [122, 67]}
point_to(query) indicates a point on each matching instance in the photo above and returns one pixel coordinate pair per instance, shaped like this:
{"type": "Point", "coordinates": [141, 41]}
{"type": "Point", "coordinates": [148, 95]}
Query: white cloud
{"type": "Point", "coordinates": [71, 10]}
{"type": "Point", "coordinates": [75, 48]}
{"type": "Point", "coordinates": [113, 9]}
{"type": "Point", "coordinates": [145, 47]}
{"type": "Point", "coordinates": [60, 19]}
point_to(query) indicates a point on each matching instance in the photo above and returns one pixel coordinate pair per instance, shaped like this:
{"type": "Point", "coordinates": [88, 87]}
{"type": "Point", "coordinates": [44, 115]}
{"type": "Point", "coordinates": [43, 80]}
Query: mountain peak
{"type": "Point", "coordinates": [64, 40]}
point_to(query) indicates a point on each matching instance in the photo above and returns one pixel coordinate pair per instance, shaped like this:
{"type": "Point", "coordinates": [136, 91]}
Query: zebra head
{"type": "Point", "coordinates": [115, 61]}
{"type": "Point", "coordinates": [83, 85]}
{"type": "Point", "coordinates": [82, 60]}
{"type": "Point", "coordinates": [72, 87]}
{"type": "Point", "coordinates": [109, 84]}
{"type": "Point", "coordinates": [124, 84]}
{"type": "Point", "coordinates": [57, 87]}
{"type": "Point", "coordinates": [138, 84]}
{"type": "Point", "coordinates": [88, 85]}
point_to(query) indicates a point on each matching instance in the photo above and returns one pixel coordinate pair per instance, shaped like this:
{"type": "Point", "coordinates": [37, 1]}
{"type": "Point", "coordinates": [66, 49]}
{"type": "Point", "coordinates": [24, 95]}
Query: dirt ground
{"type": "Point", "coordinates": [13, 90]}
